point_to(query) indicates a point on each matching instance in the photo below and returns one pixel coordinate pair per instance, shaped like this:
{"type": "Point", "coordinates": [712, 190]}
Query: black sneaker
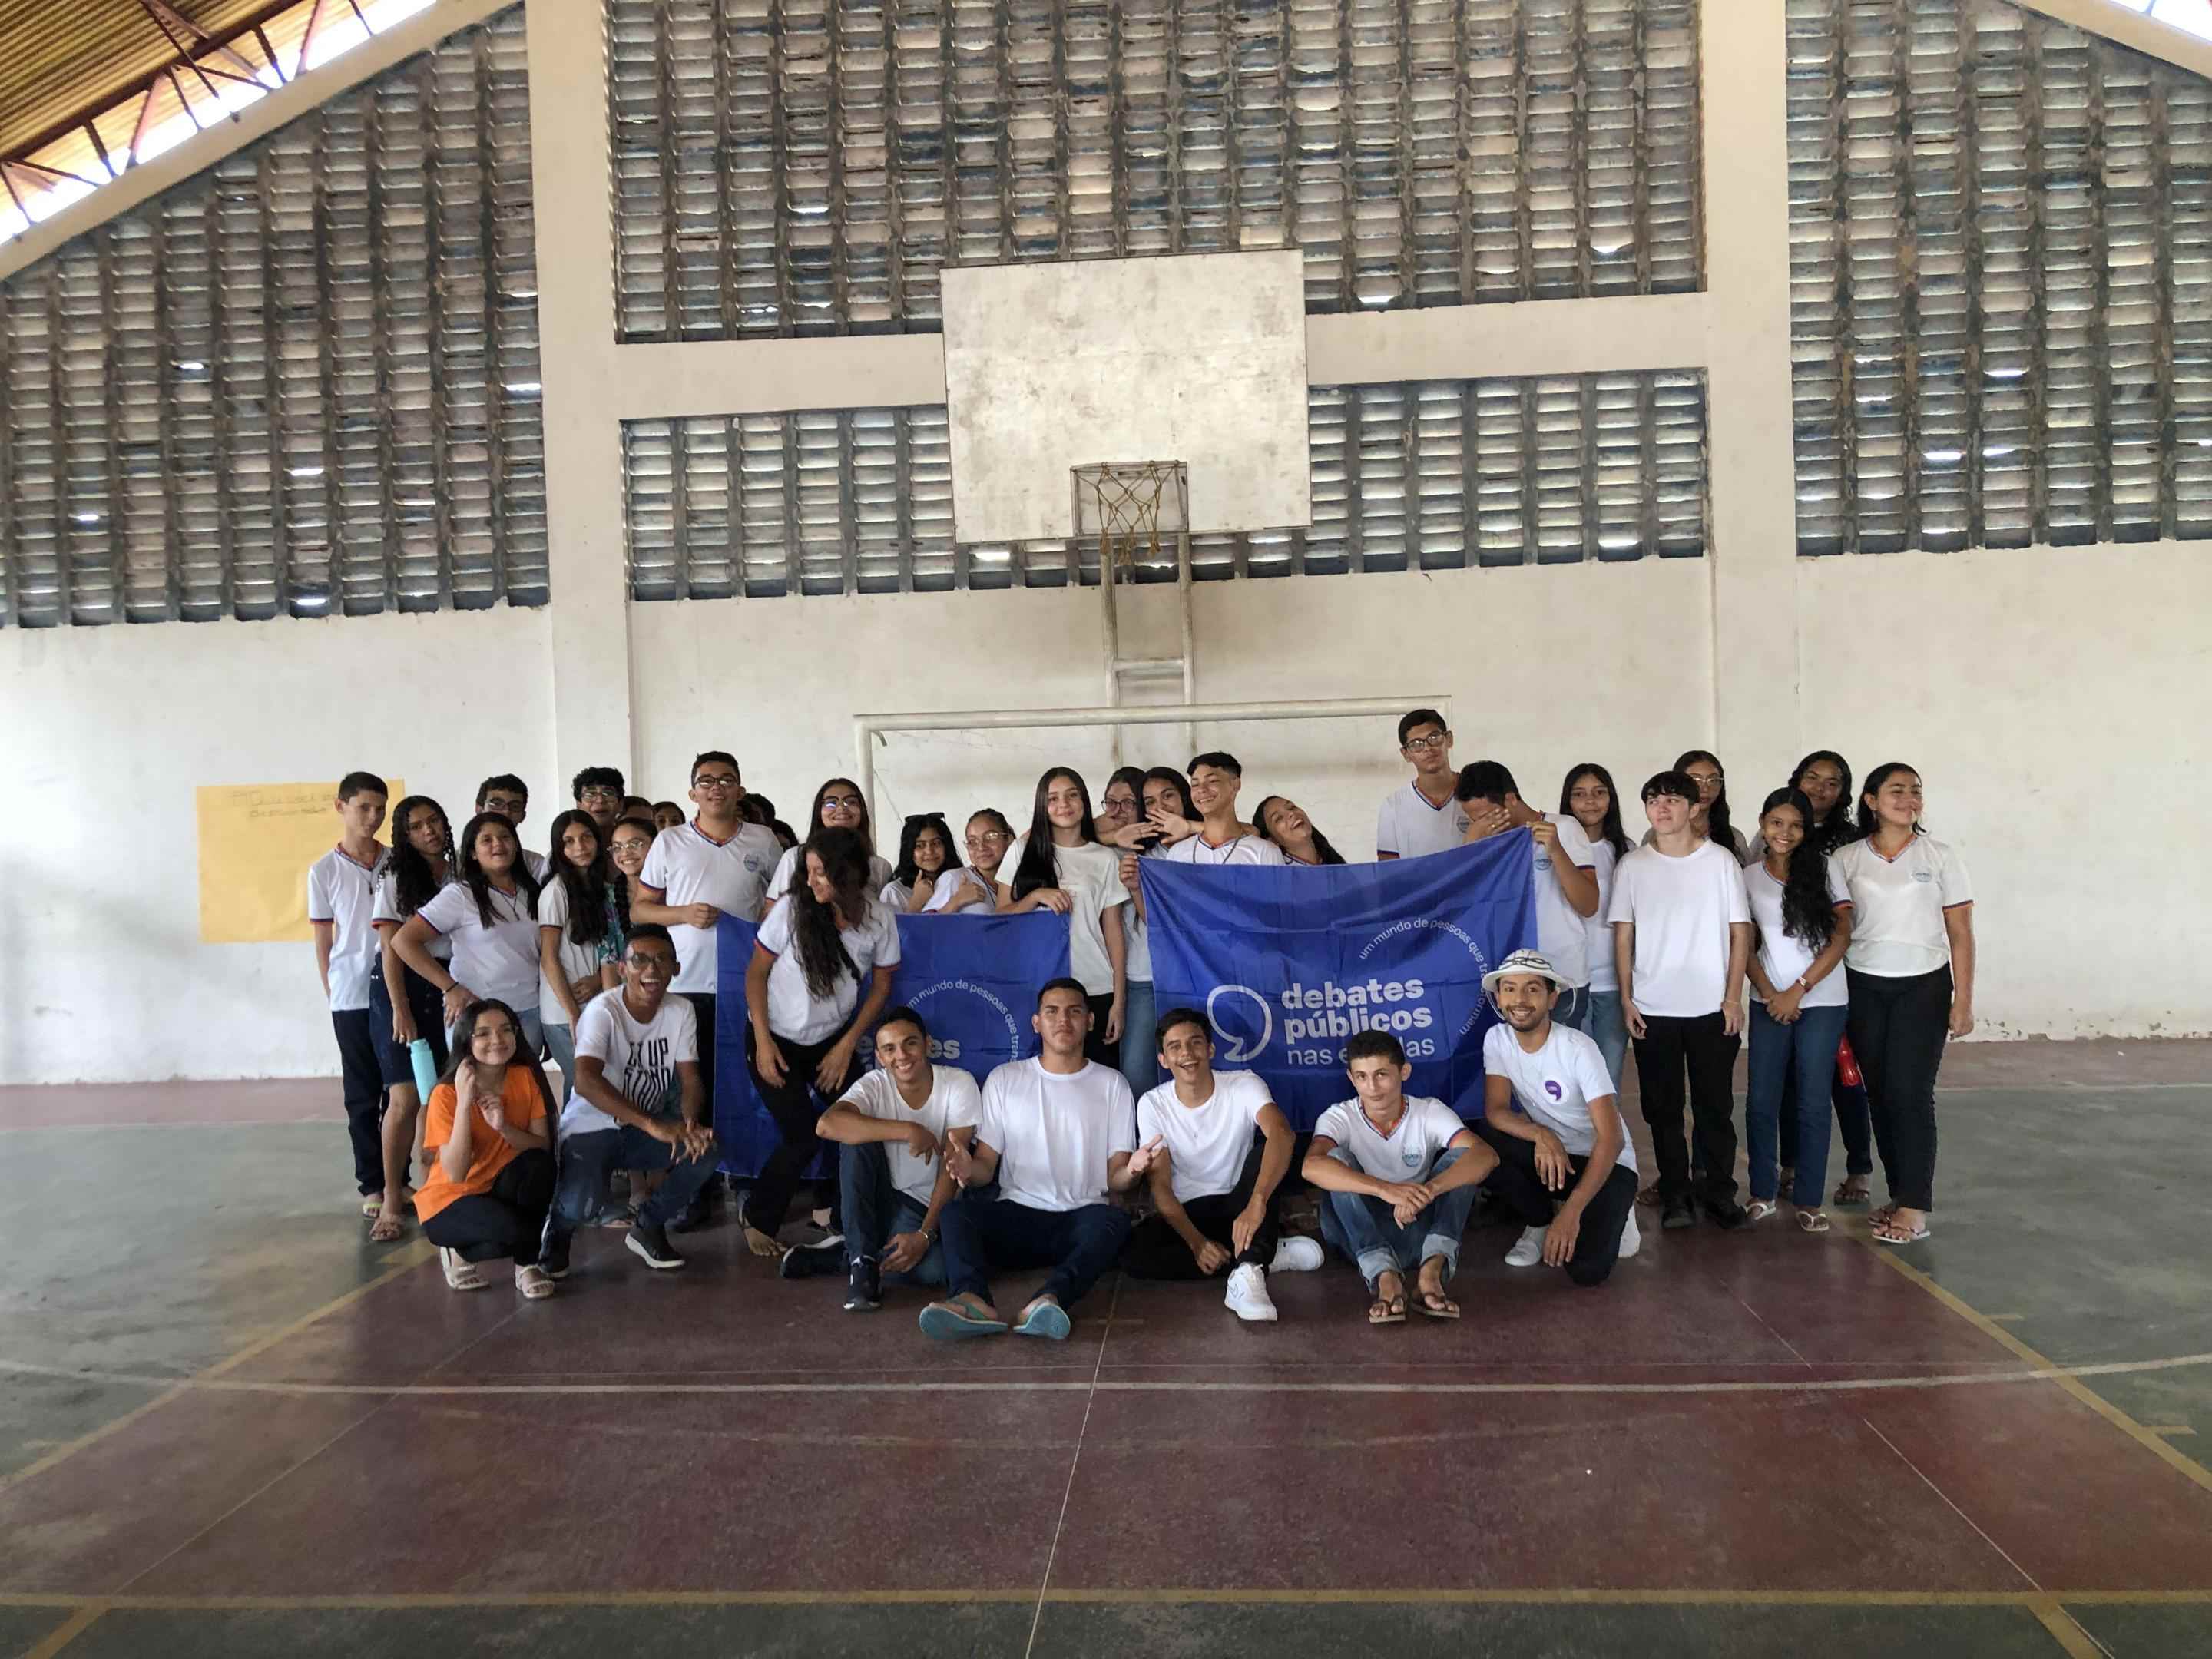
{"type": "Point", "coordinates": [806, 1261]}
{"type": "Point", "coordinates": [864, 1288]}
{"type": "Point", "coordinates": [1677, 1212]}
{"type": "Point", "coordinates": [554, 1258]}
{"type": "Point", "coordinates": [651, 1246]}
{"type": "Point", "coordinates": [1730, 1215]}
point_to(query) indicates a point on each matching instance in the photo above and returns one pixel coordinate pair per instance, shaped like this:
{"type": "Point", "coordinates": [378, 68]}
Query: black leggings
{"type": "Point", "coordinates": [1095, 1047]}
{"type": "Point", "coordinates": [1898, 1027]}
{"type": "Point", "coordinates": [1155, 1250]}
{"type": "Point", "coordinates": [508, 1220]}
{"type": "Point", "coordinates": [792, 1104]}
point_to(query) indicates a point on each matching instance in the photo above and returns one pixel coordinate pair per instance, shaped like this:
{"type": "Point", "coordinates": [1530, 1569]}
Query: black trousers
{"type": "Point", "coordinates": [1155, 1250]}
{"type": "Point", "coordinates": [1699, 1047]}
{"type": "Point", "coordinates": [1898, 1028]}
{"type": "Point", "coordinates": [508, 1220]}
{"type": "Point", "coordinates": [793, 1104]}
{"type": "Point", "coordinates": [702, 1005]}
{"type": "Point", "coordinates": [362, 1079]}
{"type": "Point", "coordinates": [1521, 1189]}
{"type": "Point", "coordinates": [1095, 1047]}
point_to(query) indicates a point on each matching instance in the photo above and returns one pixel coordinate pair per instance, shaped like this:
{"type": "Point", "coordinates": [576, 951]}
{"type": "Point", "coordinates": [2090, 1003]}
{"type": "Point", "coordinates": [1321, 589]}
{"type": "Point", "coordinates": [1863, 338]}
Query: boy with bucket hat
{"type": "Point", "coordinates": [1567, 1144]}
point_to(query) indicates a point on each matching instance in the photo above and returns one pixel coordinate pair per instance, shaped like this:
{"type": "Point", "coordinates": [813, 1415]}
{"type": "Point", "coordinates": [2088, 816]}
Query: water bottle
{"type": "Point", "coordinates": [426, 1068]}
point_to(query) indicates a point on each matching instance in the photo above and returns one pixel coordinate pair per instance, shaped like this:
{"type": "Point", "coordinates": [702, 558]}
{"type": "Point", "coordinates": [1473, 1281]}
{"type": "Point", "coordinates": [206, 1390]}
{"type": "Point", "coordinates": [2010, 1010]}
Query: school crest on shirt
{"type": "Point", "coordinates": [755, 863]}
{"type": "Point", "coordinates": [1413, 1159]}
{"type": "Point", "coordinates": [1923, 875]}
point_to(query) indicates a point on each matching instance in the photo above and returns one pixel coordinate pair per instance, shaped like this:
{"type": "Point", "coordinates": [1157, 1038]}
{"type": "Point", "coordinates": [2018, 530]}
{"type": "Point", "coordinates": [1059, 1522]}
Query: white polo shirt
{"type": "Point", "coordinates": [1055, 1133]}
{"type": "Point", "coordinates": [342, 890]}
{"type": "Point", "coordinates": [1782, 954]}
{"type": "Point", "coordinates": [1408, 826]}
{"type": "Point", "coordinates": [1207, 1144]}
{"type": "Point", "coordinates": [1683, 909]}
{"type": "Point", "coordinates": [500, 962]}
{"type": "Point", "coordinates": [954, 1103]}
{"type": "Point", "coordinates": [690, 867]}
{"type": "Point", "coordinates": [787, 871]}
{"type": "Point", "coordinates": [793, 1009]}
{"type": "Point", "coordinates": [1898, 905]}
{"type": "Point", "coordinates": [1242, 850]}
{"type": "Point", "coordinates": [1408, 1152]}
{"type": "Point", "coordinates": [387, 911]}
{"type": "Point", "coordinates": [1555, 1085]}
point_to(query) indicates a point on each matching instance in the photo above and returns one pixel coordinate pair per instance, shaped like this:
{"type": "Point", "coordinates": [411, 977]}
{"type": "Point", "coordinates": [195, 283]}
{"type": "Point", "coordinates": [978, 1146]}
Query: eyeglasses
{"type": "Point", "coordinates": [635, 844]}
{"type": "Point", "coordinates": [600, 794]}
{"type": "Point", "coordinates": [985, 836]}
{"type": "Point", "coordinates": [719, 781]}
{"type": "Point", "coordinates": [1427, 743]}
{"type": "Point", "coordinates": [505, 805]}
{"type": "Point", "coordinates": [1110, 805]}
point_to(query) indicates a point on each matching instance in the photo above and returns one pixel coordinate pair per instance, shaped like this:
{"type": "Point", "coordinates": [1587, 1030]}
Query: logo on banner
{"type": "Point", "coordinates": [1329, 1011]}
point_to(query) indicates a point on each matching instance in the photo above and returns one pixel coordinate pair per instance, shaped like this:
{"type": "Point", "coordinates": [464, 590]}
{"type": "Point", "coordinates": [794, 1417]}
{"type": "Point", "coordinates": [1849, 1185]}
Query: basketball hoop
{"type": "Point", "coordinates": [1129, 506]}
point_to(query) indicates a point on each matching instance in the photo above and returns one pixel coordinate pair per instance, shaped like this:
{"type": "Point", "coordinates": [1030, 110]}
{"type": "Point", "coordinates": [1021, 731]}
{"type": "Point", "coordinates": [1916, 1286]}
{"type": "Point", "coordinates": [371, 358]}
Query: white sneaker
{"type": "Point", "coordinates": [1529, 1250]}
{"type": "Point", "coordinates": [1248, 1295]}
{"type": "Point", "coordinates": [1631, 1241]}
{"type": "Point", "coordinates": [1297, 1254]}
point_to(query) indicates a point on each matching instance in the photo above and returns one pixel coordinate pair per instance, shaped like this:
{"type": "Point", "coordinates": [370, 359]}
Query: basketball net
{"type": "Point", "coordinates": [1127, 500]}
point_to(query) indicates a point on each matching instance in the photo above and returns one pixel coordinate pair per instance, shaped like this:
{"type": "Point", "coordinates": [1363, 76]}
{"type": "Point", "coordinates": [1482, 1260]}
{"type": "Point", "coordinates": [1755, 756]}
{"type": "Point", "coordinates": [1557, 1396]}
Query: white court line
{"type": "Point", "coordinates": [490, 1391]}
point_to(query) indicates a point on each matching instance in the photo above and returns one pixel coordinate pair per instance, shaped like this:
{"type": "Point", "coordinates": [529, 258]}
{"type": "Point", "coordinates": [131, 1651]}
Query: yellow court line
{"type": "Point", "coordinates": [2077, 1641]}
{"type": "Point", "coordinates": [415, 1255]}
{"type": "Point", "coordinates": [68, 1631]}
{"type": "Point", "coordinates": [2096, 1402]}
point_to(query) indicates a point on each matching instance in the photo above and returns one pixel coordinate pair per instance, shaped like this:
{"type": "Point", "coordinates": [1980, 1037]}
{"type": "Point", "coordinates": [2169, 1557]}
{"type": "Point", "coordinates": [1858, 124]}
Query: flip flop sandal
{"type": "Point", "coordinates": [371, 1205]}
{"type": "Point", "coordinates": [951, 1324]}
{"type": "Point", "coordinates": [1050, 1321]}
{"type": "Point", "coordinates": [1890, 1233]}
{"type": "Point", "coordinates": [1387, 1310]}
{"type": "Point", "coordinates": [1847, 1199]}
{"type": "Point", "coordinates": [1812, 1221]}
{"type": "Point", "coordinates": [1760, 1208]}
{"type": "Point", "coordinates": [1437, 1305]}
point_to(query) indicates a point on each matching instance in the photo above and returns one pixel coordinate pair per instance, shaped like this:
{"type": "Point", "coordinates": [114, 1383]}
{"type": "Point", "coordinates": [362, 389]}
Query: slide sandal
{"type": "Point", "coordinates": [1890, 1232]}
{"type": "Point", "coordinates": [1050, 1320]}
{"type": "Point", "coordinates": [949, 1324]}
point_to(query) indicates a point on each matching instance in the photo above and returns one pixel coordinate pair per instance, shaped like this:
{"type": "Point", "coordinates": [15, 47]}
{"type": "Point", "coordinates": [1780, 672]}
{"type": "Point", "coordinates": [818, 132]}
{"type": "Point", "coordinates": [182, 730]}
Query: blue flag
{"type": "Point", "coordinates": [973, 979]}
{"type": "Point", "coordinates": [1288, 964]}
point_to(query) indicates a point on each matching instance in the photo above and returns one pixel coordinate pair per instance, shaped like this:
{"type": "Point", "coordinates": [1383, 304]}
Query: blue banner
{"type": "Point", "coordinates": [973, 979]}
{"type": "Point", "coordinates": [1288, 964]}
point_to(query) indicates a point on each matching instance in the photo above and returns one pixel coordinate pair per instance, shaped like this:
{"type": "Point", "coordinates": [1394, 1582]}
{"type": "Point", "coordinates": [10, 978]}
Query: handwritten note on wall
{"type": "Point", "coordinates": [257, 840]}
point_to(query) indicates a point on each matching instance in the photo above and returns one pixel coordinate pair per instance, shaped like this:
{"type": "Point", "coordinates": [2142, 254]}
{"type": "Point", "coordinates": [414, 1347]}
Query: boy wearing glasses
{"type": "Point", "coordinates": [598, 791]}
{"type": "Point", "coordinates": [1423, 817]}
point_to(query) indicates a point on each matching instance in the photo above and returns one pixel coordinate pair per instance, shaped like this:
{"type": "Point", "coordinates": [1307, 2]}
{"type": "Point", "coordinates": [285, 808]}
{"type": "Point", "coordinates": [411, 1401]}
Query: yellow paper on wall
{"type": "Point", "coordinates": [257, 840]}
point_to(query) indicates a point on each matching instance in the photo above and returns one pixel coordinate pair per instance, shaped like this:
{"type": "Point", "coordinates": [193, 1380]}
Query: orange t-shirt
{"type": "Point", "coordinates": [489, 1151]}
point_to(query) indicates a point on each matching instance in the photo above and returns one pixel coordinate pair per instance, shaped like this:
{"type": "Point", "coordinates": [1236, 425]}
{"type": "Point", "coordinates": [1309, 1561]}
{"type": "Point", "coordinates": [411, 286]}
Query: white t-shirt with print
{"type": "Point", "coordinates": [1782, 955]}
{"type": "Point", "coordinates": [1408, 826]}
{"type": "Point", "coordinates": [577, 961]}
{"type": "Point", "coordinates": [1898, 905]}
{"type": "Point", "coordinates": [793, 1009]}
{"type": "Point", "coordinates": [639, 1060]}
{"type": "Point", "coordinates": [1682, 907]}
{"type": "Point", "coordinates": [1556, 1084]}
{"type": "Point", "coordinates": [496, 962]}
{"type": "Point", "coordinates": [1207, 1144]}
{"type": "Point", "coordinates": [1243, 849]}
{"type": "Point", "coordinates": [1562, 931]}
{"type": "Point", "coordinates": [387, 911]}
{"type": "Point", "coordinates": [1408, 1152]}
{"type": "Point", "coordinates": [1055, 1132]}
{"type": "Point", "coordinates": [688, 865]}
{"type": "Point", "coordinates": [954, 1103]}
{"type": "Point", "coordinates": [342, 891]}
{"type": "Point", "coordinates": [1598, 932]}
{"type": "Point", "coordinates": [1091, 876]}
{"type": "Point", "coordinates": [787, 872]}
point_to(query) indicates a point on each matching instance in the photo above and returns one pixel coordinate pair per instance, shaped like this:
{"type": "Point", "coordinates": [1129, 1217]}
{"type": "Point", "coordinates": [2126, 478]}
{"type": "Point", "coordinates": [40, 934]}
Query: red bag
{"type": "Point", "coordinates": [1847, 1065]}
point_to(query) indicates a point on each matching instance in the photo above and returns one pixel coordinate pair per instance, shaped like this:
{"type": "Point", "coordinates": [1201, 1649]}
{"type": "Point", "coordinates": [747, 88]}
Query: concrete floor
{"type": "Point", "coordinates": [229, 1425]}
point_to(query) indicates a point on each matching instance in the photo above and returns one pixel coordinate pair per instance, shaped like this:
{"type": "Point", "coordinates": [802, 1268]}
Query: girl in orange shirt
{"type": "Point", "coordinates": [491, 1169]}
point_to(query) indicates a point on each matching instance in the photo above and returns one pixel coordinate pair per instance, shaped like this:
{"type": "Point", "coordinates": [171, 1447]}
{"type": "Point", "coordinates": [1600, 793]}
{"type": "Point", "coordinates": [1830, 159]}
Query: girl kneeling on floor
{"type": "Point", "coordinates": [491, 1162]}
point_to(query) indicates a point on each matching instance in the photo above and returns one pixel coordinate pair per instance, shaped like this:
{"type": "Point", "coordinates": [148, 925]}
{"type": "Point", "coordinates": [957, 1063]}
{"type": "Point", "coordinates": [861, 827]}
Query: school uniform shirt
{"type": "Point", "coordinates": [1598, 932]}
{"type": "Point", "coordinates": [1207, 1144]}
{"type": "Point", "coordinates": [793, 1009]}
{"type": "Point", "coordinates": [1055, 1132]}
{"type": "Point", "coordinates": [577, 961]}
{"type": "Point", "coordinates": [535, 863]}
{"type": "Point", "coordinates": [787, 871]}
{"type": "Point", "coordinates": [639, 1058]}
{"type": "Point", "coordinates": [1408, 826]}
{"type": "Point", "coordinates": [1683, 909]}
{"type": "Point", "coordinates": [1555, 1085]}
{"type": "Point", "coordinates": [520, 1102]}
{"type": "Point", "coordinates": [954, 1103]}
{"type": "Point", "coordinates": [1781, 953]}
{"type": "Point", "coordinates": [897, 895]}
{"type": "Point", "coordinates": [500, 961]}
{"type": "Point", "coordinates": [1092, 875]}
{"type": "Point", "coordinates": [1898, 905]}
{"type": "Point", "coordinates": [687, 865]}
{"type": "Point", "coordinates": [1408, 1152]}
{"type": "Point", "coordinates": [1242, 849]}
{"type": "Point", "coordinates": [387, 911]}
{"type": "Point", "coordinates": [1136, 944]}
{"type": "Point", "coordinates": [1562, 931]}
{"type": "Point", "coordinates": [1737, 845]}
{"type": "Point", "coordinates": [342, 890]}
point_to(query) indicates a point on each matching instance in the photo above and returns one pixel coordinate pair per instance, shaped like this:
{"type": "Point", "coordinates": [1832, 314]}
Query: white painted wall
{"type": "Point", "coordinates": [110, 731]}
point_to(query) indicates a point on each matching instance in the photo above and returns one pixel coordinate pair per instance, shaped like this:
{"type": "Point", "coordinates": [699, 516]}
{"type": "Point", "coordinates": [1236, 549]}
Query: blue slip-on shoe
{"type": "Point", "coordinates": [1049, 1321]}
{"type": "Point", "coordinates": [948, 1324]}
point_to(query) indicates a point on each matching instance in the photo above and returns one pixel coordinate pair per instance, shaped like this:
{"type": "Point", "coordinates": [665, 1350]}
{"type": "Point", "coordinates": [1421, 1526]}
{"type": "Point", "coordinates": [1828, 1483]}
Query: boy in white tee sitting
{"type": "Point", "coordinates": [1057, 1133]}
{"type": "Point", "coordinates": [1215, 1146]}
{"type": "Point", "coordinates": [1566, 1143]}
{"type": "Point", "coordinates": [1397, 1173]}
{"type": "Point", "coordinates": [892, 1179]}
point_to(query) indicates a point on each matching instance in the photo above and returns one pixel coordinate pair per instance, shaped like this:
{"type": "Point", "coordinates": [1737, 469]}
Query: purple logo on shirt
{"type": "Point", "coordinates": [1553, 1090]}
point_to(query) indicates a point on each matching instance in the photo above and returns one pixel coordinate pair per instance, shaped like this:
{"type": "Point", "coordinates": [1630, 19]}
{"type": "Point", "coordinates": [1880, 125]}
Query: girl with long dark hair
{"type": "Point", "coordinates": [820, 974]}
{"type": "Point", "coordinates": [1587, 796]}
{"type": "Point", "coordinates": [402, 1005]}
{"type": "Point", "coordinates": [1799, 1002]}
{"type": "Point", "coordinates": [1059, 866]}
{"type": "Point", "coordinates": [579, 934]}
{"type": "Point", "coordinates": [1911, 965]}
{"type": "Point", "coordinates": [1709, 816]}
{"type": "Point", "coordinates": [838, 805]}
{"type": "Point", "coordinates": [1124, 822]}
{"type": "Point", "coordinates": [1284, 823]}
{"type": "Point", "coordinates": [928, 879]}
{"type": "Point", "coordinates": [628, 843]}
{"type": "Point", "coordinates": [489, 913]}
{"type": "Point", "coordinates": [488, 1138]}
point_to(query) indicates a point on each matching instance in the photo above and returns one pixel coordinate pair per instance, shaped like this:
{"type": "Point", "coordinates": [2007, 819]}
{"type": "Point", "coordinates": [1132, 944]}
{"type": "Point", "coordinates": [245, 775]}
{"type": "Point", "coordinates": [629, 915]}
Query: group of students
{"type": "Point", "coordinates": [467, 960]}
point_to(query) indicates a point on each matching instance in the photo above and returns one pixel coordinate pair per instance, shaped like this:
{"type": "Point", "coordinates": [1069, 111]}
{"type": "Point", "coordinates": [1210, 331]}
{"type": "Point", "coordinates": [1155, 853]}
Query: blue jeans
{"type": "Point", "coordinates": [561, 1043]}
{"type": "Point", "coordinates": [1364, 1228]}
{"type": "Point", "coordinates": [1808, 1047]}
{"type": "Point", "coordinates": [587, 1155]}
{"type": "Point", "coordinates": [1078, 1244]}
{"type": "Point", "coordinates": [1140, 1051]}
{"type": "Point", "coordinates": [874, 1210]}
{"type": "Point", "coordinates": [1608, 1029]}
